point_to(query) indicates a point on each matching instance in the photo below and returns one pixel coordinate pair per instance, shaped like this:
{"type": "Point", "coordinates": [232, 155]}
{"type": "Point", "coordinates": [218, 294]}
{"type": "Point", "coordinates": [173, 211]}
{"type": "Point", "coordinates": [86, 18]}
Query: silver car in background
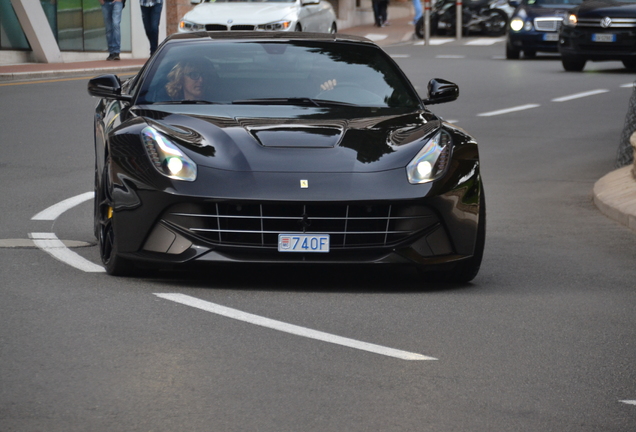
{"type": "Point", "coordinates": [270, 15]}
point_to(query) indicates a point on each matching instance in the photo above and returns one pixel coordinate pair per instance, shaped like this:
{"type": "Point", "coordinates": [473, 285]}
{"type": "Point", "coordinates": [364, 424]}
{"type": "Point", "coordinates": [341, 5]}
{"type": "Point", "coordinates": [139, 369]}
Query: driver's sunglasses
{"type": "Point", "coordinates": [194, 75]}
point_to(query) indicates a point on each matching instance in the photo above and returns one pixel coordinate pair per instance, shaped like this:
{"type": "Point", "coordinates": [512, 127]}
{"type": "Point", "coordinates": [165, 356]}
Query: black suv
{"type": "Point", "coordinates": [599, 30]}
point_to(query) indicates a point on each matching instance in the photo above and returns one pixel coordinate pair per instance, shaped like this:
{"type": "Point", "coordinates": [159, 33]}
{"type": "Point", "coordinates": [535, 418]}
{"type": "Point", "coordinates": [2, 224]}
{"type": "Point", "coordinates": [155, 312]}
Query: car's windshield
{"type": "Point", "coordinates": [313, 73]}
{"type": "Point", "coordinates": [554, 3]}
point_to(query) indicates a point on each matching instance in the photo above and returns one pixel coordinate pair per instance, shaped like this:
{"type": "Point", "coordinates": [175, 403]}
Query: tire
{"type": "Point", "coordinates": [466, 270]}
{"type": "Point", "coordinates": [573, 64]}
{"type": "Point", "coordinates": [512, 53]}
{"type": "Point", "coordinates": [529, 54]}
{"type": "Point", "coordinates": [630, 64]}
{"type": "Point", "coordinates": [496, 24]}
{"type": "Point", "coordinates": [298, 28]}
{"type": "Point", "coordinates": [333, 29]}
{"type": "Point", "coordinates": [419, 28]}
{"type": "Point", "coordinates": [106, 236]}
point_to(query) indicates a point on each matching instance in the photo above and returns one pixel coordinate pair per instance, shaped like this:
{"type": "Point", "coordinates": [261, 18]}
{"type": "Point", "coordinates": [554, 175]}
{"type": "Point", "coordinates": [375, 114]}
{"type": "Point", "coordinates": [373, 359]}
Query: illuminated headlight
{"type": "Point", "coordinates": [516, 24]}
{"type": "Point", "coordinates": [166, 156]}
{"type": "Point", "coordinates": [570, 20]}
{"type": "Point", "coordinates": [431, 162]}
{"type": "Point", "coordinates": [188, 26]}
{"type": "Point", "coordinates": [275, 26]}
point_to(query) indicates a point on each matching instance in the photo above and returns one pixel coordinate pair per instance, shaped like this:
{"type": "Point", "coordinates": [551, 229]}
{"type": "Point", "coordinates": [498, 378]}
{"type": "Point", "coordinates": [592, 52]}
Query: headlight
{"type": "Point", "coordinates": [431, 162]}
{"type": "Point", "coordinates": [189, 26]}
{"type": "Point", "coordinates": [570, 20]}
{"type": "Point", "coordinates": [275, 26]}
{"type": "Point", "coordinates": [516, 24]}
{"type": "Point", "coordinates": [166, 157]}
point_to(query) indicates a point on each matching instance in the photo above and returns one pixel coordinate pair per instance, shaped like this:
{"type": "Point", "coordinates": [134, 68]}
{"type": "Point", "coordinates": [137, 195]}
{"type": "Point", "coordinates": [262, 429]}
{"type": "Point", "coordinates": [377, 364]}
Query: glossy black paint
{"type": "Point", "coordinates": [257, 154]}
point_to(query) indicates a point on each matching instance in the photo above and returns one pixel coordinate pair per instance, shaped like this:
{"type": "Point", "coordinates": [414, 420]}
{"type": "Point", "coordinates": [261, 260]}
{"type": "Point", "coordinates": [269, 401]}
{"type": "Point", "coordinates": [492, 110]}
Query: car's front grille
{"type": "Point", "coordinates": [243, 27]}
{"type": "Point", "coordinates": [547, 24]}
{"type": "Point", "coordinates": [615, 23]}
{"type": "Point", "coordinates": [258, 225]}
{"type": "Point", "coordinates": [215, 27]}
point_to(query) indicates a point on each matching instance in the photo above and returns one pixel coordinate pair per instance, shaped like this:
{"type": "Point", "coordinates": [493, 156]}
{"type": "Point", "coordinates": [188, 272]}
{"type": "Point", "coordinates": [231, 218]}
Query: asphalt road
{"type": "Point", "coordinates": [544, 339]}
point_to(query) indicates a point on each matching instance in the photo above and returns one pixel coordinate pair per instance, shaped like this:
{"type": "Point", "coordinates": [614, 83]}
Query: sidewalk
{"type": "Point", "coordinates": [614, 194]}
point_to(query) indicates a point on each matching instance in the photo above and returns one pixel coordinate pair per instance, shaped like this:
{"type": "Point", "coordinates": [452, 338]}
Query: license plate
{"type": "Point", "coordinates": [603, 37]}
{"type": "Point", "coordinates": [303, 242]}
{"type": "Point", "coordinates": [551, 37]}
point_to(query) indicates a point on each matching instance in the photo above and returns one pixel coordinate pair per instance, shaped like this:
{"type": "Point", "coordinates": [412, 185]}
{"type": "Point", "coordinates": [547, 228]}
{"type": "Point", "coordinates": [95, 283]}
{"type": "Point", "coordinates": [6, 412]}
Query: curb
{"type": "Point", "coordinates": [615, 196]}
{"type": "Point", "coordinates": [69, 73]}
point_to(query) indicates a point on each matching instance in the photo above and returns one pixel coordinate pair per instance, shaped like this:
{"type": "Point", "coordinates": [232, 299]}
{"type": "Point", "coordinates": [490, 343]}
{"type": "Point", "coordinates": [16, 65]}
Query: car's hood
{"type": "Point", "coordinates": [239, 13]}
{"type": "Point", "coordinates": [603, 8]}
{"type": "Point", "coordinates": [559, 11]}
{"type": "Point", "coordinates": [295, 139]}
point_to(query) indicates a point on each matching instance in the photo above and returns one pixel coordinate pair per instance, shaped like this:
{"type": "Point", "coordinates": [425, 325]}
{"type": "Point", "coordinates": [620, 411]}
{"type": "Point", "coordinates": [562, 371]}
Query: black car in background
{"type": "Point", "coordinates": [282, 148]}
{"type": "Point", "coordinates": [534, 26]}
{"type": "Point", "coordinates": [599, 30]}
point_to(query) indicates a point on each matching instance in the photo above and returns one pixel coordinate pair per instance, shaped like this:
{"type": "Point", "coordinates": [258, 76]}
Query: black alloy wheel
{"type": "Point", "coordinates": [106, 236]}
{"type": "Point", "coordinates": [466, 270]}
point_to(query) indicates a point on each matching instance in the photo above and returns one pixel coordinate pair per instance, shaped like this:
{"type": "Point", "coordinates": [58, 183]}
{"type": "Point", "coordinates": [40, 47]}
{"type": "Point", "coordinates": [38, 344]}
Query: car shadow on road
{"type": "Point", "coordinates": [309, 278]}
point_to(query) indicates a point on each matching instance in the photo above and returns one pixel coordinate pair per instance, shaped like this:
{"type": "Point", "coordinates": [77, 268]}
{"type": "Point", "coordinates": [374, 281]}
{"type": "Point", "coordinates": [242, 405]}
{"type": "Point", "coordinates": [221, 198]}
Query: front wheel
{"type": "Point", "coordinates": [512, 53]}
{"type": "Point", "coordinates": [572, 64]}
{"type": "Point", "coordinates": [630, 64]}
{"type": "Point", "coordinates": [108, 248]}
{"type": "Point", "coordinates": [466, 270]}
{"type": "Point", "coordinates": [333, 29]}
{"type": "Point", "coordinates": [419, 28]}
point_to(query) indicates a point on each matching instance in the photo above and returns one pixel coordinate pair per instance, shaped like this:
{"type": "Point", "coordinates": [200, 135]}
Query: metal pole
{"type": "Point", "coordinates": [427, 21]}
{"type": "Point", "coordinates": [458, 24]}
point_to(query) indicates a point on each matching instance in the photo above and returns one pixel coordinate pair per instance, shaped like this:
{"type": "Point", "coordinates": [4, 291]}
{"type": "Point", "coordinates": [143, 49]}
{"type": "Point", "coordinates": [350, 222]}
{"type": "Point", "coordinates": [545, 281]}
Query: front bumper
{"type": "Point", "coordinates": [533, 40]}
{"type": "Point", "coordinates": [578, 42]}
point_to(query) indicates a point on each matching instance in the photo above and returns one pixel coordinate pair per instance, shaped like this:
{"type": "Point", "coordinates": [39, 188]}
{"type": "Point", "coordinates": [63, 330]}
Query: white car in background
{"type": "Point", "coordinates": [266, 15]}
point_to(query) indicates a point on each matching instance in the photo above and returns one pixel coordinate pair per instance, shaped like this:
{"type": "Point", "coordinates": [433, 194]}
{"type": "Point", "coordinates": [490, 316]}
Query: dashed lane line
{"type": "Point", "coordinates": [289, 328]}
{"type": "Point", "coordinates": [579, 95]}
{"type": "Point", "coordinates": [508, 110]}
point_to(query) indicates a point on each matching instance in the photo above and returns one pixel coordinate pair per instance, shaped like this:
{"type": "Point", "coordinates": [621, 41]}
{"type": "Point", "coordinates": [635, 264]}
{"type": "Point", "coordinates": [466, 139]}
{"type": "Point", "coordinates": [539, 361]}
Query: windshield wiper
{"type": "Point", "coordinates": [187, 102]}
{"type": "Point", "coordinates": [277, 101]}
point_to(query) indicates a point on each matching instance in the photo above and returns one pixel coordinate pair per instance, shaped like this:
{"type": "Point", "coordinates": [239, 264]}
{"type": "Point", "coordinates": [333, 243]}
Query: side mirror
{"type": "Point", "coordinates": [440, 91]}
{"type": "Point", "coordinates": [107, 86]}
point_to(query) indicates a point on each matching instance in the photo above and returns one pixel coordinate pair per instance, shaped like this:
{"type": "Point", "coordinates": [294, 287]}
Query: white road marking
{"type": "Point", "coordinates": [54, 211]}
{"type": "Point", "coordinates": [400, 55]}
{"type": "Point", "coordinates": [440, 41]}
{"type": "Point", "coordinates": [629, 402]}
{"type": "Point", "coordinates": [579, 95]}
{"type": "Point", "coordinates": [29, 243]}
{"type": "Point", "coordinates": [450, 56]}
{"type": "Point", "coordinates": [628, 85]}
{"type": "Point", "coordinates": [50, 244]}
{"type": "Point", "coordinates": [508, 110]}
{"type": "Point", "coordinates": [376, 36]}
{"type": "Point", "coordinates": [289, 328]}
{"type": "Point", "coordinates": [485, 42]}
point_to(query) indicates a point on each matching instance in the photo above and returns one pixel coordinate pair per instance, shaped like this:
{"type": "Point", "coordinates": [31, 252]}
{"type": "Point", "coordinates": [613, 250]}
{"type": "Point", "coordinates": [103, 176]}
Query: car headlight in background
{"type": "Point", "coordinates": [166, 156]}
{"type": "Point", "coordinates": [516, 24]}
{"type": "Point", "coordinates": [431, 162]}
{"type": "Point", "coordinates": [275, 26]}
{"type": "Point", "coordinates": [570, 20]}
{"type": "Point", "coordinates": [186, 25]}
